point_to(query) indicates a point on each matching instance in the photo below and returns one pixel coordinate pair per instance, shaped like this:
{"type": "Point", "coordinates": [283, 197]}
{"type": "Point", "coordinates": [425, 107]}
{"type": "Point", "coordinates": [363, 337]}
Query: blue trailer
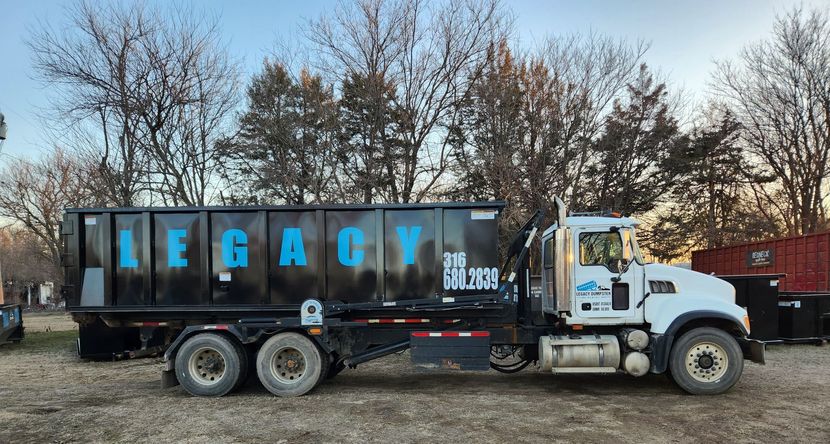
{"type": "Point", "coordinates": [11, 326]}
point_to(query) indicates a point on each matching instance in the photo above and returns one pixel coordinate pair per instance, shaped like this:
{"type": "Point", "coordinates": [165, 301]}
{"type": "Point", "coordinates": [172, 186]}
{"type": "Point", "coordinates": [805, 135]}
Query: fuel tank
{"type": "Point", "coordinates": [579, 354]}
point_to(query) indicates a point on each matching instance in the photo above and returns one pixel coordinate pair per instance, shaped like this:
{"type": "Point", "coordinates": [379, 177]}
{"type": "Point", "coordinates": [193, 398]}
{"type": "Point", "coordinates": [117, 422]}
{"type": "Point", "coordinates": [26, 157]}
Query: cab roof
{"type": "Point", "coordinates": [593, 221]}
{"type": "Point", "coordinates": [597, 221]}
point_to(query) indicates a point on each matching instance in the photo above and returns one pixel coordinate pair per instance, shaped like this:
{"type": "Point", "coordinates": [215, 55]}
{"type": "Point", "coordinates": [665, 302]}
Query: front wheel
{"type": "Point", "coordinates": [289, 364]}
{"type": "Point", "coordinates": [706, 361]}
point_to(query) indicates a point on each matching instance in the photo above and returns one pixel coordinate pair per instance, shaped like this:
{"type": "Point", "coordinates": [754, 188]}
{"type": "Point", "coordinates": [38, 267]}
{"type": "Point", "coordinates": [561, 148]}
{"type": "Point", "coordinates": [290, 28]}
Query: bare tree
{"type": "Point", "coordinates": [577, 79]}
{"type": "Point", "coordinates": [190, 93]}
{"type": "Point", "coordinates": [780, 93]}
{"type": "Point", "coordinates": [144, 94]}
{"type": "Point", "coordinates": [530, 122]}
{"type": "Point", "coordinates": [428, 56]}
{"type": "Point", "coordinates": [25, 262]}
{"type": "Point", "coordinates": [34, 195]}
{"type": "Point", "coordinates": [98, 70]}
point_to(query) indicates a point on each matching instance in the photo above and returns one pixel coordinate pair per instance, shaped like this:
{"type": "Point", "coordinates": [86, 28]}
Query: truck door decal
{"type": "Point", "coordinates": [126, 259]}
{"type": "Point", "coordinates": [408, 242]}
{"type": "Point", "coordinates": [348, 256]}
{"type": "Point", "coordinates": [292, 249]}
{"type": "Point", "coordinates": [175, 249]}
{"type": "Point", "coordinates": [588, 286]}
{"type": "Point", "coordinates": [234, 248]}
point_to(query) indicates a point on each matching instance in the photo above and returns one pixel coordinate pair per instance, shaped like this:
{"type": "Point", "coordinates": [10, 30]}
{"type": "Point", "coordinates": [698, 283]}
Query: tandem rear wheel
{"type": "Point", "coordinates": [210, 364]}
{"type": "Point", "coordinates": [290, 364]}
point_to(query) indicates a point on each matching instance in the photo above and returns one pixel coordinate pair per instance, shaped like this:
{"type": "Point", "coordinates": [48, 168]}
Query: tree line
{"type": "Point", "coordinates": [400, 101]}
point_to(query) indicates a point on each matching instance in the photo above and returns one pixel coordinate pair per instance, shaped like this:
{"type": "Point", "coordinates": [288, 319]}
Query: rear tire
{"type": "Point", "coordinates": [706, 361]}
{"type": "Point", "coordinates": [245, 364]}
{"type": "Point", "coordinates": [209, 364]}
{"type": "Point", "coordinates": [325, 365]}
{"type": "Point", "coordinates": [289, 364]}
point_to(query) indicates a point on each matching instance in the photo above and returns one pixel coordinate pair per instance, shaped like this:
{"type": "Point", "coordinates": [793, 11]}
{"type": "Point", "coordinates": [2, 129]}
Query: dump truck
{"type": "Point", "coordinates": [297, 294]}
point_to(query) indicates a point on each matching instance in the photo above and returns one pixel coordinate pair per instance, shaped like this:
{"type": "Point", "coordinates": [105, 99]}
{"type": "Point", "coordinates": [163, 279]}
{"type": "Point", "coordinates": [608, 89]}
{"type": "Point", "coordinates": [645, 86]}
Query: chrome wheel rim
{"type": "Point", "coordinates": [288, 365]}
{"type": "Point", "coordinates": [706, 361]}
{"type": "Point", "coordinates": [207, 366]}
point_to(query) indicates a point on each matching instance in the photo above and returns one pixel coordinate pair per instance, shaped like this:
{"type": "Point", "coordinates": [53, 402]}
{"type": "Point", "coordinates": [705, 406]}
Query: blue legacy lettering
{"type": "Point", "coordinates": [175, 248]}
{"type": "Point", "coordinates": [408, 242]}
{"type": "Point", "coordinates": [126, 259]}
{"type": "Point", "coordinates": [292, 249]}
{"type": "Point", "coordinates": [234, 249]}
{"type": "Point", "coordinates": [348, 237]}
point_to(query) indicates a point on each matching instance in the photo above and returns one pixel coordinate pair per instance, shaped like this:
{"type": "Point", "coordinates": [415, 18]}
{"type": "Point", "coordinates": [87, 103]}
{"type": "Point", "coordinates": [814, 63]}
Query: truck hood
{"type": "Point", "coordinates": [688, 282]}
{"type": "Point", "coordinates": [696, 295]}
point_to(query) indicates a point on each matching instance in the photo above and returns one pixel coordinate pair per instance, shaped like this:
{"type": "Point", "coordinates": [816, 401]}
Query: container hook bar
{"type": "Point", "coordinates": [520, 246]}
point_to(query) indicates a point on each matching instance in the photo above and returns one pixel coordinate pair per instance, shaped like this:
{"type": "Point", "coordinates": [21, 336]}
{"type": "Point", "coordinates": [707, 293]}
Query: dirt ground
{"type": "Point", "coordinates": [47, 394]}
{"type": "Point", "coordinates": [48, 321]}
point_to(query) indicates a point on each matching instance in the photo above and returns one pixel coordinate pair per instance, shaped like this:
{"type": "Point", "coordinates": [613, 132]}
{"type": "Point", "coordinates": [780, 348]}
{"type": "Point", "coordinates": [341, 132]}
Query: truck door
{"type": "Point", "coordinates": [605, 276]}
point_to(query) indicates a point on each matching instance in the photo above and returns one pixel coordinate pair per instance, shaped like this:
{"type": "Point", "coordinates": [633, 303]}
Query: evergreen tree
{"type": "Point", "coordinates": [711, 202]}
{"type": "Point", "coordinates": [284, 149]}
{"type": "Point", "coordinates": [369, 151]}
{"type": "Point", "coordinates": [490, 132]}
{"type": "Point", "coordinates": [632, 168]}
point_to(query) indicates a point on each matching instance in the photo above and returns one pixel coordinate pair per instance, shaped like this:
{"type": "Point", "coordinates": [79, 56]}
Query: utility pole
{"type": "Point", "coordinates": [3, 130]}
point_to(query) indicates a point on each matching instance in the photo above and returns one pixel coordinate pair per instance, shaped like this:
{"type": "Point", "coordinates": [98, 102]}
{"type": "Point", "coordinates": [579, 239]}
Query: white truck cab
{"type": "Point", "coordinates": [613, 285]}
{"type": "Point", "coordinates": [594, 278]}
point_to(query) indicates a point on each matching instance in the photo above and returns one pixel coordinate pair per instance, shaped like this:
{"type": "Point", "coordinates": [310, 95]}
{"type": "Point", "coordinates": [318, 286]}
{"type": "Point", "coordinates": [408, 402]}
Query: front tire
{"type": "Point", "coordinates": [209, 364]}
{"type": "Point", "coordinates": [706, 361]}
{"type": "Point", "coordinates": [289, 364]}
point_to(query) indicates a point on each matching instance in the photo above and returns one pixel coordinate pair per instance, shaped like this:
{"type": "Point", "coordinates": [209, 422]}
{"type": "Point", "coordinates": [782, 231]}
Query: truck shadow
{"type": "Point", "coordinates": [473, 383]}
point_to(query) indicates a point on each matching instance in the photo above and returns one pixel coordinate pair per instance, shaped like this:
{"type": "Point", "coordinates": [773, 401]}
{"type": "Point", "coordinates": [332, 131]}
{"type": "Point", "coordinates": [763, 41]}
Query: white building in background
{"type": "Point", "coordinates": [45, 293]}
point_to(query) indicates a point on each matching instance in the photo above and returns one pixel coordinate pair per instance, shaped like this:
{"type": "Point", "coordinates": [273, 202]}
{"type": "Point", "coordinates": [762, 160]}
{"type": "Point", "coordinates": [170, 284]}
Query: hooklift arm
{"type": "Point", "coordinates": [519, 248]}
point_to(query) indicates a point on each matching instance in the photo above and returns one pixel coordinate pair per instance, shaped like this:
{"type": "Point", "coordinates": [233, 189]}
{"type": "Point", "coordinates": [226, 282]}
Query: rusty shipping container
{"type": "Point", "coordinates": [805, 260]}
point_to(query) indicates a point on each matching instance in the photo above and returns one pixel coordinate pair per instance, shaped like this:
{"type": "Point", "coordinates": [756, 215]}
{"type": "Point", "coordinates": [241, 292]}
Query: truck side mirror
{"type": "Point", "coordinates": [622, 266]}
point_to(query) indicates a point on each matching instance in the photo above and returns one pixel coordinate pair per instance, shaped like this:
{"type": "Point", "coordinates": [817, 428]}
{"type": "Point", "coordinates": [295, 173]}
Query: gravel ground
{"type": "Point", "coordinates": [47, 394]}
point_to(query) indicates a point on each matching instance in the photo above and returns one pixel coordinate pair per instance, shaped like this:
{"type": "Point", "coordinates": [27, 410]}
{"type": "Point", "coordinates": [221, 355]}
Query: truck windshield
{"type": "Point", "coordinates": [600, 248]}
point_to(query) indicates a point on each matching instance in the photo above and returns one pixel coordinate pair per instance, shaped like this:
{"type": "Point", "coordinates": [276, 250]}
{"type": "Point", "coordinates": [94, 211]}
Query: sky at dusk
{"type": "Point", "coordinates": [685, 37]}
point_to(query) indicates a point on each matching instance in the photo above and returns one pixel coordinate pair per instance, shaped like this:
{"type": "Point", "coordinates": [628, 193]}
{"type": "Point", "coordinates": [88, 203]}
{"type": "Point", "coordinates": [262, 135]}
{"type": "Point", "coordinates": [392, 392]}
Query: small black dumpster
{"type": "Point", "coordinates": [804, 315]}
{"type": "Point", "coordinates": [758, 293]}
{"type": "Point", "coordinates": [11, 324]}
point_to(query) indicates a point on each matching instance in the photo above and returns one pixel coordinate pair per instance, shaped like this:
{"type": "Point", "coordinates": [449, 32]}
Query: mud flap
{"type": "Point", "coordinates": [754, 350]}
{"type": "Point", "coordinates": [451, 350]}
{"type": "Point", "coordinates": [168, 376]}
{"type": "Point", "coordinates": [168, 379]}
